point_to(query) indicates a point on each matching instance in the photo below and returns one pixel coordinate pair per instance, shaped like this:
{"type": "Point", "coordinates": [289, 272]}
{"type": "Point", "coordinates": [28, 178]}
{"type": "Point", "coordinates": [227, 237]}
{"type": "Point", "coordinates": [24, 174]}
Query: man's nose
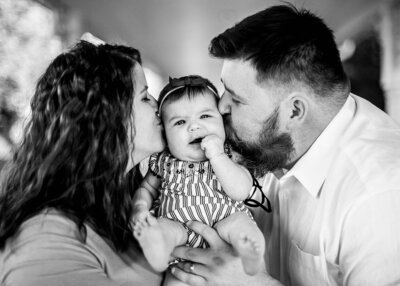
{"type": "Point", "coordinates": [224, 105]}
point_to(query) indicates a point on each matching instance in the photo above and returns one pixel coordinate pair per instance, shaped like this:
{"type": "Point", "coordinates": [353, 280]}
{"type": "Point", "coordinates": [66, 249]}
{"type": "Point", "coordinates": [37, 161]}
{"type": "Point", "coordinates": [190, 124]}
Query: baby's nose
{"type": "Point", "coordinates": [193, 126]}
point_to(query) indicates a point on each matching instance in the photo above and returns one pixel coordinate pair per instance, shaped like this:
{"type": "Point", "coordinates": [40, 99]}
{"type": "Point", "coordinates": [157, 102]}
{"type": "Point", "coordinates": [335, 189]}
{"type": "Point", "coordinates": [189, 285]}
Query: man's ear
{"type": "Point", "coordinates": [297, 105]}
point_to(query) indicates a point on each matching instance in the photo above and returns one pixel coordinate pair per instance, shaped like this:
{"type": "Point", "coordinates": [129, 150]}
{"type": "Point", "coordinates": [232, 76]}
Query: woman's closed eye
{"type": "Point", "coordinates": [146, 98]}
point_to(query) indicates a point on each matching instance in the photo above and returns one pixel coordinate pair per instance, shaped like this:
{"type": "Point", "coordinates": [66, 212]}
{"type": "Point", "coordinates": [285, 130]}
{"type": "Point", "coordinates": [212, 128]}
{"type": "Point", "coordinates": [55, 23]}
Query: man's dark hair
{"type": "Point", "coordinates": [286, 44]}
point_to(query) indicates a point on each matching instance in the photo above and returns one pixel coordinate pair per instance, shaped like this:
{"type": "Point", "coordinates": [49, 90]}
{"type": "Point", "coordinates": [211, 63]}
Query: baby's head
{"type": "Point", "coordinates": [189, 111]}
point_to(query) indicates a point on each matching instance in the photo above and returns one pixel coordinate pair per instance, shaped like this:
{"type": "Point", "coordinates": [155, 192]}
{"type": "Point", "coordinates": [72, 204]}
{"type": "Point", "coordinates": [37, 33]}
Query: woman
{"type": "Point", "coordinates": [65, 203]}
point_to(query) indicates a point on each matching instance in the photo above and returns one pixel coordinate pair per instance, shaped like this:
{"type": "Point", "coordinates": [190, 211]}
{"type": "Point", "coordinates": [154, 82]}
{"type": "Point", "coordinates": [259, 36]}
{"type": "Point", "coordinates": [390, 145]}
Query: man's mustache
{"type": "Point", "coordinates": [269, 152]}
{"type": "Point", "coordinates": [238, 145]}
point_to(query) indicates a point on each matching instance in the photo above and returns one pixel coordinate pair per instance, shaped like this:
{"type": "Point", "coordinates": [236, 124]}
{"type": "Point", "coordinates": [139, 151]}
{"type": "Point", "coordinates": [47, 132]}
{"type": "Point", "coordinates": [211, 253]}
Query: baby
{"type": "Point", "coordinates": [194, 180]}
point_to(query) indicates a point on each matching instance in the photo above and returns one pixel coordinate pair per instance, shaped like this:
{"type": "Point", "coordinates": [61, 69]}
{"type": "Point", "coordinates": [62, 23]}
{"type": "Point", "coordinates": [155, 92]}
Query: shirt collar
{"type": "Point", "coordinates": [312, 168]}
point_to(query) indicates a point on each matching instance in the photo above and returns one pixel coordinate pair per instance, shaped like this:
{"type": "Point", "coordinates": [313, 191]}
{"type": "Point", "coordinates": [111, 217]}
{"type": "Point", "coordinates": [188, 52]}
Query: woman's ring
{"type": "Point", "coordinates": [191, 267]}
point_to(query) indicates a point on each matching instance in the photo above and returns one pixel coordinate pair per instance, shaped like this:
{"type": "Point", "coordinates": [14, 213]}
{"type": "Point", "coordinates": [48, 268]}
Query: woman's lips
{"type": "Point", "coordinates": [158, 121]}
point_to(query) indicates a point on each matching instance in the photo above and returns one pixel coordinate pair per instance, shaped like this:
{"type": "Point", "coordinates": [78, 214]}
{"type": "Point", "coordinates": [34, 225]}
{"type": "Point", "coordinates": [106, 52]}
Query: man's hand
{"type": "Point", "coordinates": [217, 265]}
{"type": "Point", "coordinates": [213, 146]}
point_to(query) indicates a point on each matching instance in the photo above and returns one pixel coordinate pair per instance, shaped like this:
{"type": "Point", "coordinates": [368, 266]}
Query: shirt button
{"type": "Point", "coordinates": [191, 166]}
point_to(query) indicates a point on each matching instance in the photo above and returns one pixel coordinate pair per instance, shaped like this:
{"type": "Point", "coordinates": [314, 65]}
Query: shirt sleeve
{"type": "Point", "coordinates": [370, 245]}
{"type": "Point", "coordinates": [155, 164]}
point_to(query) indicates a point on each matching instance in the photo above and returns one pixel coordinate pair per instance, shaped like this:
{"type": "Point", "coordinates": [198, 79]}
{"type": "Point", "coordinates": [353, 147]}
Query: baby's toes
{"type": "Point", "coordinates": [151, 220]}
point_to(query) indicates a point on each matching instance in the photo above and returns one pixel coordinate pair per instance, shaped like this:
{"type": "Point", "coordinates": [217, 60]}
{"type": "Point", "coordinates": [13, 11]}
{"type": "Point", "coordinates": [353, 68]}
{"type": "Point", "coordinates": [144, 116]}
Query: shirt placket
{"type": "Point", "coordinates": [283, 198]}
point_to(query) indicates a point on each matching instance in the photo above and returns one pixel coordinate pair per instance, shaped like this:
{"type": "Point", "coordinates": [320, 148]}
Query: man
{"type": "Point", "coordinates": [335, 190]}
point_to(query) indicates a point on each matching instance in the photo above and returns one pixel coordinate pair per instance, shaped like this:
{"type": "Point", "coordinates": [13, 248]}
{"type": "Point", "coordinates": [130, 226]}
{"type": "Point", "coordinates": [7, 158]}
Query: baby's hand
{"type": "Point", "coordinates": [212, 145]}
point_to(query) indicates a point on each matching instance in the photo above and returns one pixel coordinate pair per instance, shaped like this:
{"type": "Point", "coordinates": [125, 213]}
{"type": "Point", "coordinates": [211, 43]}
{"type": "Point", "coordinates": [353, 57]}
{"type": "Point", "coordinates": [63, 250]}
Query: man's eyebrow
{"type": "Point", "coordinates": [231, 91]}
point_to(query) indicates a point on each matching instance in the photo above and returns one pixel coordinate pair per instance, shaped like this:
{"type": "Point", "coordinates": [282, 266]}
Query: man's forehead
{"type": "Point", "coordinates": [236, 67]}
{"type": "Point", "coordinates": [239, 76]}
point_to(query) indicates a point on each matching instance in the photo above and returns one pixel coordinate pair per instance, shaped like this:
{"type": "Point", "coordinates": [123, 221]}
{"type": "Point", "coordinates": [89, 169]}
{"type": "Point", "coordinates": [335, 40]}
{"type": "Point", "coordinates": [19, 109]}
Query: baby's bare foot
{"type": "Point", "coordinates": [251, 252]}
{"type": "Point", "coordinates": [158, 238]}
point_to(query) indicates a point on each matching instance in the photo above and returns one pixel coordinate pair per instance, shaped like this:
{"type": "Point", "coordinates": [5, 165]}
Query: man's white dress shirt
{"type": "Point", "coordinates": [336, 214]}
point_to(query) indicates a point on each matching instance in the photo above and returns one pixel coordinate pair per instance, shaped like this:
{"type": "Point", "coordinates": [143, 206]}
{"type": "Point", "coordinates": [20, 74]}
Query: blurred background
{"type": "Point", "coordinates": [173, 37]}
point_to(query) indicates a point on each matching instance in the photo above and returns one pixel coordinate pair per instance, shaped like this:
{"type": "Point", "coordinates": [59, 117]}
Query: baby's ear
{"type": "Point", "coordinates": [88, 37]}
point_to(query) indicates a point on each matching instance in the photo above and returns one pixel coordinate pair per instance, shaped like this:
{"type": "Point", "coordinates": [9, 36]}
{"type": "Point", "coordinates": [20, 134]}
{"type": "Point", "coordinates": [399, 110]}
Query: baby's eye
{"type": "Point", "coordinates": [180, 122]}
{"type": "Point", "coordinates": [205, 116]}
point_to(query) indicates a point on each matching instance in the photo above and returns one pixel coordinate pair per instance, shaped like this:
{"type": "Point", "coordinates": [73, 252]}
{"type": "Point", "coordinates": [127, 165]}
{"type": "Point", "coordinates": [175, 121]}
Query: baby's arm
{"type": "Point", "coordinates": [235, 179]}
{"type": "Point", "coordinates": [144, 196]}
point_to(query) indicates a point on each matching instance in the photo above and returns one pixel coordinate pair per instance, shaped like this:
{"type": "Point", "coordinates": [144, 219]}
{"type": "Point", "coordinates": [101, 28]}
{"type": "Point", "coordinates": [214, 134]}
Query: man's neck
{"type": "Point", "coordinates": [304, 137]}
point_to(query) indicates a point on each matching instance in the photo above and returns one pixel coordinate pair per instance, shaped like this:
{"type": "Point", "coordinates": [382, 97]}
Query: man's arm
{"type": "Point", "coordinates": [217, 265]}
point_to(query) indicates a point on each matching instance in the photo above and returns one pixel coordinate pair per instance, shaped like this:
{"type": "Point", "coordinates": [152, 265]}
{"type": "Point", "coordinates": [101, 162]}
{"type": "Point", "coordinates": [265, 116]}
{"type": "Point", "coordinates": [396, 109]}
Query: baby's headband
{"type": "Point", "coordinates": [176, 84]}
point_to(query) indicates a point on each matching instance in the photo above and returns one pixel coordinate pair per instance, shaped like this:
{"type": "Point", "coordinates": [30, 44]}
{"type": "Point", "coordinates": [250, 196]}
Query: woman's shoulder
{"type": "Point", "coordinates": [49, 249]}
{"type": "Point", "coordinates": [47, 231]}
{"type": "Point", "coordinates": [45, 223]}
{"type": "Point", "coordinates": [43, 245]}
{"type": "Point", "coordinates": [54, 226]}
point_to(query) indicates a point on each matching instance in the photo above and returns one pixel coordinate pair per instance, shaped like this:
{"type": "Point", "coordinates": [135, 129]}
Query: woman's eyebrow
{"type": "Point", "coordinates": [145, 88]}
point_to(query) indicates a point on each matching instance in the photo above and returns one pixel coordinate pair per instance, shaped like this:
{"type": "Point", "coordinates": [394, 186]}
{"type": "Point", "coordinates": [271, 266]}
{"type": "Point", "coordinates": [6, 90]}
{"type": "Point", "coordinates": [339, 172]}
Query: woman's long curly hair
{"type": "Point", "coordinates": [74, 153]}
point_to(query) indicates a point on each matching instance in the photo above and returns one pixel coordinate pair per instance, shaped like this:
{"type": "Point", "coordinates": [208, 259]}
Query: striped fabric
{"type": "Point", "coordinates": [190, 191]}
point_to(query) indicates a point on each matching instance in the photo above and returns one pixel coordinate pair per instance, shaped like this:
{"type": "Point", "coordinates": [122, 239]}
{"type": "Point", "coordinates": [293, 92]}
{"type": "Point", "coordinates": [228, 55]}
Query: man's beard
{"type": "Point", "coordinates": [270, 152]}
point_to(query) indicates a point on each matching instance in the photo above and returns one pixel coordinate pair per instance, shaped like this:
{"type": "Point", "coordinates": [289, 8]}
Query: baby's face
{"type": "Point", "coordinates": [187, 121]}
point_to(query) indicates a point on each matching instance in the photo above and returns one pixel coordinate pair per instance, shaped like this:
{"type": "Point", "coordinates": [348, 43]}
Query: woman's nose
{"type": "Point", "coordinates": [224, 105]}
{"type": "Point", "coordinates": [153, 102]}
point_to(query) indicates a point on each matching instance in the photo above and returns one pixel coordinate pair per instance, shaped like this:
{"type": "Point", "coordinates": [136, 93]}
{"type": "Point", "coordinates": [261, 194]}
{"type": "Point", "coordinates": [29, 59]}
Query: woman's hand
{"type": "Point", "coordinates": [217, 265]}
